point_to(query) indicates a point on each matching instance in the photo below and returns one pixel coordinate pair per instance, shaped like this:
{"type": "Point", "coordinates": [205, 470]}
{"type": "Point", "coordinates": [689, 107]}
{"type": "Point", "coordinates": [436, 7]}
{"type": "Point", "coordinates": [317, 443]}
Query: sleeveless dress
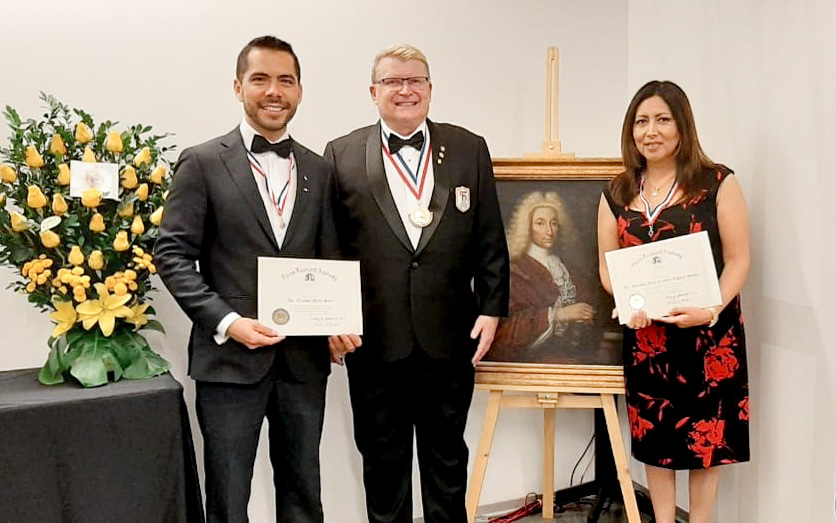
{"type": "Point", "coordinates": [687, 389]}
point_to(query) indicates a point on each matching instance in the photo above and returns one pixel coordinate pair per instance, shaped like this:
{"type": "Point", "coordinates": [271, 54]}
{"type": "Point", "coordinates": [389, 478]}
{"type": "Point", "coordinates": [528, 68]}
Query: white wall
{"type": "Point", "coordinates": [762, 81]}
{"type": "Point", "coordinates": [170, 64]}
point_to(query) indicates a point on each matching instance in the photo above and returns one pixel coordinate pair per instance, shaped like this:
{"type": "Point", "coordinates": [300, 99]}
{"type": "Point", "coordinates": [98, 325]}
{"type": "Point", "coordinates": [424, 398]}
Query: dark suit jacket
{"type": "Point", "coordinates": [429, 296]}
{"type": "Point", "coordinates": [215, 216]}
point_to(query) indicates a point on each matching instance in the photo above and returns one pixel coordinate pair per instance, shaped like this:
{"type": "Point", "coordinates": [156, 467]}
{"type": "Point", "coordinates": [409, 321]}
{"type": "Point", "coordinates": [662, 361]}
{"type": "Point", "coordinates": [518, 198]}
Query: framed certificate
{"type": "Point", "coordinates": [301, 297]}
{"type": "Point", "coordinates": [659, 276]}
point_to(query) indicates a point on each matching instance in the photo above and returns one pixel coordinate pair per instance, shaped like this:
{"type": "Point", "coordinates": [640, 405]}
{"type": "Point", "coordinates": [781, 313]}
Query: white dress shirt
{"type": "Point", "coordinates": [277, 170]}
{"type": "Point", "coordinates": [405, 201]}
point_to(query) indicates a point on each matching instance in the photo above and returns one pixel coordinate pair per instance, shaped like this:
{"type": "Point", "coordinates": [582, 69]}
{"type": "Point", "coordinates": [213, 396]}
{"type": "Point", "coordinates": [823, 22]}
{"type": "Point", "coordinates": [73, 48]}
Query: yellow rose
{"type": "Point", "coordinates": [57, 145]}
{"type": "Point", "coordinates": [137, 227]}
{"type": "Point", "coordinates": [33, 157]}
{"type": "Point", "coordinates": [75, 257]}
{"type": "Point", "coordinates": [157, 216]}
{"type": "Point", "coordinates": [114, 142]}
{"type": "Point", "coordinates": [129, 180]}
{"type": "Point", "coordinates": [35, 198]}
{"type": "Point", "coordinates": [97, 223]}
{"type": "Point", "coordinates": [121, 243]}
{"type": "Point", "coordinates": [95, 261]}
{"type": "Point", "coordinates": [126, 211]}
{"type": "Point", "coordinates": [18, 221]}
{"type": "Point", "coordinates": [83, 133]}
{"type": "Point", "coordinates": [88, 155]}
{"type": "Point", "coordinates": [8, 173]}
{"type": "Point", "coordinates": [59, 204]}
{"type": "Point", "coordinates": [91, 198]}
{"type": "Point", "coordinates": [49, 239]}
{"type": "Point", "coordinates": [158, 174]}
{"type": "Point", "coordinates": [142, 192]}
{"type": "Point", "coordinates": [63, 174]}
{"type": "Point", "coordinates": [143, 157]}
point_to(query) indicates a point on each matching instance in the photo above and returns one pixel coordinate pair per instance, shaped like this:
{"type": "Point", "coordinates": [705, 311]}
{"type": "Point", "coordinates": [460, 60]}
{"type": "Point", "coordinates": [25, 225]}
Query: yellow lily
{"type": "Point", "coordinates": [114, 142]}
{"type": "Point", "coordinates": [33, 157]}
{"type": "Point", "coordinates": [95, 261]}
{"type": "Point", "coordinates": [35, 198]}
{"type": "Point", "coordinates": [129, 180]}
{"type": "Point", "coordinates": [83, 134]}
{"type": "Point", "coordinates": [104, 310]}
{"type": "Point", "coordinates": [157, 216]}
{"type": "Point", "coordinates": [59, 204]}
{"type": "Point", "coordinates": [64, 316]}
{"type": "Point", "coordinates": [143, 157]}
{"type": "Point", "coordinates": [57, 145]}
{"type": "Point", "coordinates": [138, 317]}
{"type": "Point", "coordinates": [8, 173]}
{"type": "Point", "coordinates": [63, 174]}
{"type": "Point", "coordinates": [89, 156]}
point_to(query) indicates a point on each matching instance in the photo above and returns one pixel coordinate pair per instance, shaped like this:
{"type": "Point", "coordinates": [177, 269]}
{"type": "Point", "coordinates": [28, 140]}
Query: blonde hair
{"type": "Point", "coordinates": [519, 232]}
{"type": "Point", "coordinates": [404, 53]}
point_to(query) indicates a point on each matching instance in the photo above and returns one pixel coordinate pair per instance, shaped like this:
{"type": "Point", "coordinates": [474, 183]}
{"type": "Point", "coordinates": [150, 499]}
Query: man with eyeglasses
{"type": "Point", "coordinates": [415, 202]}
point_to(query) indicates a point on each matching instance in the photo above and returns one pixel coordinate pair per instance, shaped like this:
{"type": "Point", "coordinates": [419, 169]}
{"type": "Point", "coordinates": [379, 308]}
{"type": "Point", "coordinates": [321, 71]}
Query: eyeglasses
{"type": "Point", "coordinates": [414, 82]}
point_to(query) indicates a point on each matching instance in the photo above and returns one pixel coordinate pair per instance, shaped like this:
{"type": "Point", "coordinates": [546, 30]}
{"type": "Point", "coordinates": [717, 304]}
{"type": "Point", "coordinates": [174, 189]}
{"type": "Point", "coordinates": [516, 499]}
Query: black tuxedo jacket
{"type": "Point", "coordinates": [214, 228]}
{"type": "Point", "coordinates": [426, 297]}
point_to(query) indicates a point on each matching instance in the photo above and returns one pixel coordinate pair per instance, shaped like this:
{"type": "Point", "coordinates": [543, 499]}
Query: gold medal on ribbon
{"type": "Point", "coordinates": [421, 217]}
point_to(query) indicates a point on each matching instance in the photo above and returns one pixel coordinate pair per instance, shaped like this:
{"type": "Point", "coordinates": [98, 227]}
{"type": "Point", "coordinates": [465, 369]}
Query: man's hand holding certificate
{"type": "Point", "coordinates": [300, 297]}
{"type": "Point", "coordinates": [659, 276]}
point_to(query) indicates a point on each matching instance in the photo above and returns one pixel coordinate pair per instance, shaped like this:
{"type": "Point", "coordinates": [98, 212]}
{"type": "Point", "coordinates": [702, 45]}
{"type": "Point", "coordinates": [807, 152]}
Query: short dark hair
{"type": "Point", "coordinates": [264, 42]}
{"type": "Point", "coordinates": [690, 158]}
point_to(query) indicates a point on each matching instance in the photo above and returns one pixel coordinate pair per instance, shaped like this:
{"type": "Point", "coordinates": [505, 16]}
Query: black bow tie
{"type": "Point", "coordinates": [261, 145]}
{"type": "Point", "coordinates": [416, 141]}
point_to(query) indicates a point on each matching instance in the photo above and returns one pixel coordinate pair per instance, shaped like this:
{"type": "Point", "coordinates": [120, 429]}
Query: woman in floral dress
{"type": "Point", "coordinates": [686, 379]}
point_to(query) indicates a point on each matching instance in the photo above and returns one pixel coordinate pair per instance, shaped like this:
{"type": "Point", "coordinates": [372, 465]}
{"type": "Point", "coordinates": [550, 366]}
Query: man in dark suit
{"type": "Point", "coordinates": [415, 202]}
{"type": "Point", "coordinates": [253, 192]}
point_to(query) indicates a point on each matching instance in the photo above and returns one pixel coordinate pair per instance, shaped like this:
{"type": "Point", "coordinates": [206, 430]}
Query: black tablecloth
{"type": "Point", "coordinates": [121, 453]}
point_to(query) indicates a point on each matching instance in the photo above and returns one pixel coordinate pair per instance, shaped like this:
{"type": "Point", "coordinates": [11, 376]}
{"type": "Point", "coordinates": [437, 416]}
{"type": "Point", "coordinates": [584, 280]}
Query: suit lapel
{"type": "Point", "coordinates": [234, 157]}
{"type": "Point", "coordinates": [380, 188]}
{"type": "Point", "coordinates": [441, 181]}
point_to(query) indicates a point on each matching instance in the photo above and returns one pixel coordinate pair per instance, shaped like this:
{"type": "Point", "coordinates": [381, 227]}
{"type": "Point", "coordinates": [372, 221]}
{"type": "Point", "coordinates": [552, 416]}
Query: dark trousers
{"type": "Point", "coordinates": [230, 418]}
{"type": "Point", "coordinates": [392, 401]}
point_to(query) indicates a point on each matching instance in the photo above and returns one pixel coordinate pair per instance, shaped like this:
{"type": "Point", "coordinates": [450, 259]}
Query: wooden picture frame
{"type": "Point", "coordinates": [523, 343]}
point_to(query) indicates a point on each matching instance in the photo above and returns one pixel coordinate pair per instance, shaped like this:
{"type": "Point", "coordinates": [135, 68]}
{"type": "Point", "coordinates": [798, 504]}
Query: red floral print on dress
{"type": "Point", "coordinates": [650, 341]}
{"type": "Point", "coordinates": [695, 226]}
{"type": "Point", "coordinates": [720, 362]}
{"type": "Point", "coordinates": [625, 239]}
{"type": "Point", "coordinates": [707, 436]}
{"type": "Point", "coordinates": [744, 409]}
{"type": "Point", "coordinates": [638, 425]}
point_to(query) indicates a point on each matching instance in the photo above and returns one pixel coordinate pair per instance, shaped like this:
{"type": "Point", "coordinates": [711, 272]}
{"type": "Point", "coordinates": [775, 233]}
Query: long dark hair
{"type": "Point", "coordinates": [690, 158]}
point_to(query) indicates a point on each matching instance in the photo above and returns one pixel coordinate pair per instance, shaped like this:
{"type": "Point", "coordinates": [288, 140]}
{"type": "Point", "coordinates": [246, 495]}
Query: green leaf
{"type": "Point", "coordinates": [147, 365]}
{"type": "Point", "coordinates": [52, 373]}
{"type": "Point", "coordinates": [153, 325]}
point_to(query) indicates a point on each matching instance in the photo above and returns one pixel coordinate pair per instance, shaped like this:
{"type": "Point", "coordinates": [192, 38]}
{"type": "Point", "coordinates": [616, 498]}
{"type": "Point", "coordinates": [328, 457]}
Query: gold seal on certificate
{"type": "Point", "coordinates": [281, 316]}
{"type": "Point", "coordinates": [421, 217]}
{"type": "Point", "coordinates": [636, 302]}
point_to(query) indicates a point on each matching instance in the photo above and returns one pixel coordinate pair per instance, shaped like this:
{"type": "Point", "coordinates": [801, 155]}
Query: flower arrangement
{"type": "Point", "coordinates": [85, 259]}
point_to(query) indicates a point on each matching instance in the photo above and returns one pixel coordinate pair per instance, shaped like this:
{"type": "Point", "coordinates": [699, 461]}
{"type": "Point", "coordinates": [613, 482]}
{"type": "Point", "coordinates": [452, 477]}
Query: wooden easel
{"type": "Point", "coordinates": [551, 387]}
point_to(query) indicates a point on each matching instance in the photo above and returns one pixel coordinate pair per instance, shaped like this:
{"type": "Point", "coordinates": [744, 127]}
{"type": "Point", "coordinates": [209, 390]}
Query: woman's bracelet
{"type": "Point", "coordinates": [715, 315]}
